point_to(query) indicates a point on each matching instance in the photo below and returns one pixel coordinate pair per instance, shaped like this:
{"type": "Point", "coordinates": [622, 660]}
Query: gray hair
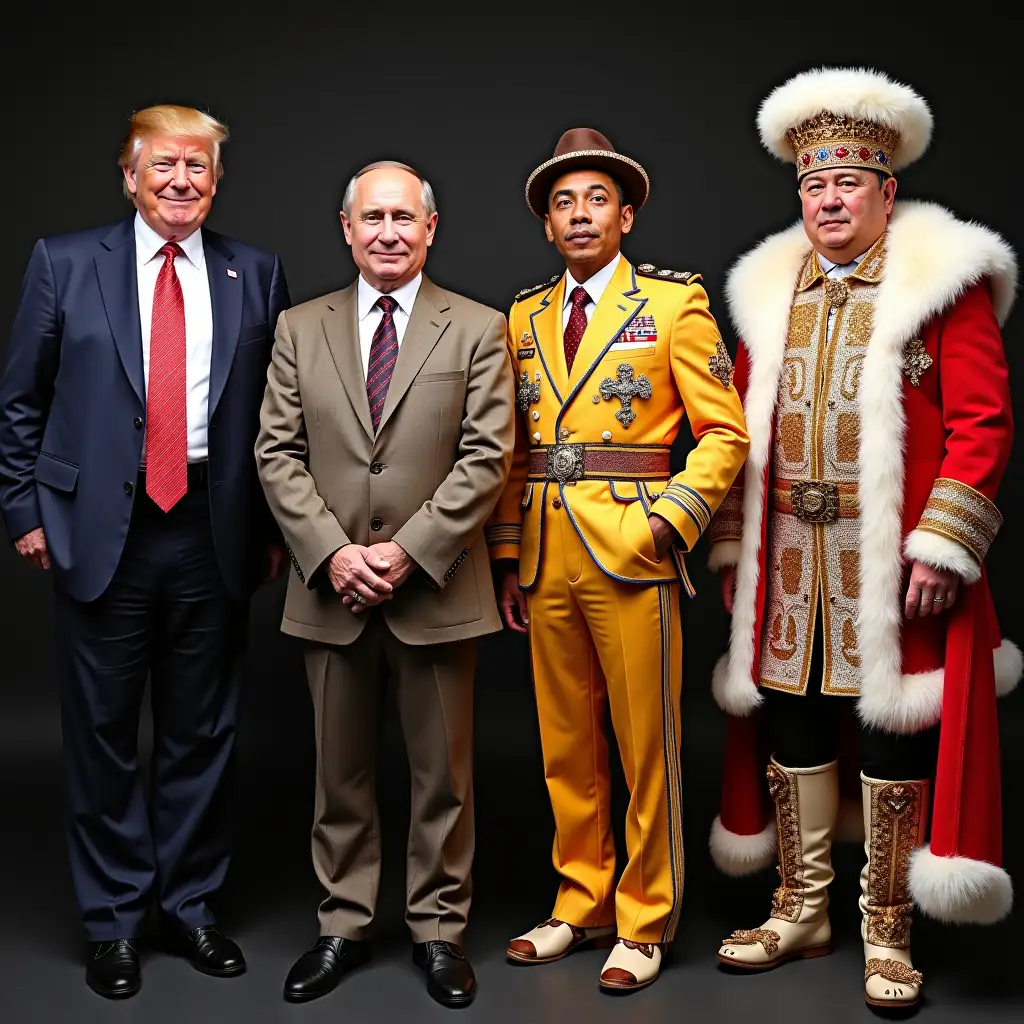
{"type": "Point", "coordinates": [426, 192]}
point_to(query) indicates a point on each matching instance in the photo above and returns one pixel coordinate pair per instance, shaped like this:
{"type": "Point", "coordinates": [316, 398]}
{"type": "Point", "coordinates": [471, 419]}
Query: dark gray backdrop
{"type": "Point", "coordinates": [475, 100]}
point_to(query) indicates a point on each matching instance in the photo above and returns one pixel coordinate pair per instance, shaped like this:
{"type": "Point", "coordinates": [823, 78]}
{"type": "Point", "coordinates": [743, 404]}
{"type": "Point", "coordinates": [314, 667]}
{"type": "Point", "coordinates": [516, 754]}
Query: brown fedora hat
{"type": "Point", "coordinates": [586, 148]}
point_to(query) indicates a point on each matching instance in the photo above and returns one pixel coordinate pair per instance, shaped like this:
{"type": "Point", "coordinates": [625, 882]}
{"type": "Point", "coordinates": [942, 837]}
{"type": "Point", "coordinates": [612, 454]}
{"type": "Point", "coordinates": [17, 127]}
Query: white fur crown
{"type": "Point", "coordinates": [845, 117]}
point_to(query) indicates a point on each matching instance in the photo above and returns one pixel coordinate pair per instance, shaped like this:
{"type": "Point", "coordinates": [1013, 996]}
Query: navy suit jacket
{"type": "Point", "coordinates": [73, 404]}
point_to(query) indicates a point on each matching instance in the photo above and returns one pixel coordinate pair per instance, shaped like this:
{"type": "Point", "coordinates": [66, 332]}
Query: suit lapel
{"type": "Point", "coordinates": [616, 308]}
{"type": "Point", "coordinates": [342, 331]}
{"type": "Point", "coordinates": [119, 287]}
{"type": "Point", "coordinates": [546, 323]}
{"type": "Point", "coordinates": [427, 323]}
{"type": "Point", "coordinates": [226, 298]}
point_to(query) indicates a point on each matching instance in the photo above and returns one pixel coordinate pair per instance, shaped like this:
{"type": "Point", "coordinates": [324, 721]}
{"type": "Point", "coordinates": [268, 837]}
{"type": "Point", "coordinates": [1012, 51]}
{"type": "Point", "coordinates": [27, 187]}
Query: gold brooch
{"type": "Point", "coordinates": [915, 361]}
{"type": "Point", "coordinates": [837, 290]}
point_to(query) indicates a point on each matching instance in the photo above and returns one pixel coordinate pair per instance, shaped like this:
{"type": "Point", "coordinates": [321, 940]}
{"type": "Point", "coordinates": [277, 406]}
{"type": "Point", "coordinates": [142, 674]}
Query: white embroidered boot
{"type": "Point", "coordinates": [895, 820]}
{"type": "Point", "coordinates": [806, 804]}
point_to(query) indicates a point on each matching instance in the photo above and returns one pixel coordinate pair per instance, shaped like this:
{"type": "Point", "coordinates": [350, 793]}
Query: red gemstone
{"type": "Point", "coordinates": [806, 158]}
{"type": "Point", "coordinates": [864, 153]}
{"type": "Point", "coordinates": [842, 152]}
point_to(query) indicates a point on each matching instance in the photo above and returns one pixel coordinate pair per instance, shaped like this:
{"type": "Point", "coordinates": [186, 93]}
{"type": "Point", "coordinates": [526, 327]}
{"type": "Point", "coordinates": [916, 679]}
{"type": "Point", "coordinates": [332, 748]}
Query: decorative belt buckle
{"type": "Point", "coordinates": [815, 501]}
{"type": "Point", "coordinates": [565, 462]}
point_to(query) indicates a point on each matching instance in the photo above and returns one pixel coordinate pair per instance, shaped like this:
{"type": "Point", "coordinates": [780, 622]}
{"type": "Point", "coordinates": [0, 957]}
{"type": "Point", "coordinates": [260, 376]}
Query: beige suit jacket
{"type": "Point", "coordinates": [428, 480]}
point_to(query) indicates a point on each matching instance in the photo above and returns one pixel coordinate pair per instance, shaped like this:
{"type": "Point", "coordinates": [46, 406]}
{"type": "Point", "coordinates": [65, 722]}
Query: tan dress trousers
{"type": "Point", "coordinates": [434, 693]}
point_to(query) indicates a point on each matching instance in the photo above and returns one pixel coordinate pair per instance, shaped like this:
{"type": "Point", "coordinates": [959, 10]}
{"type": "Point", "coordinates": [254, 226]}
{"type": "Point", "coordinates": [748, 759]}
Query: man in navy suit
{"type": "Point", "coordinates": [129, 410]}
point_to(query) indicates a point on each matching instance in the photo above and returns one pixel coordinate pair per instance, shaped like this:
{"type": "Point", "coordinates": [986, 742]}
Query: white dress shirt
{"type": "Point", "coordinates": [370, 314]}
{"type": "Point", "coordinates": [595, 286]}
{"type": "Point", "coordinates": [195, 289]}
{"type": "Point", "coordinates": [837, 271]}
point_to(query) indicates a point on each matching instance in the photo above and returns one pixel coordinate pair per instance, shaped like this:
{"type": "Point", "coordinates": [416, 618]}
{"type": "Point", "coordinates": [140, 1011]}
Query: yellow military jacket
{"type": "Point", "coordinates": [650, 354]}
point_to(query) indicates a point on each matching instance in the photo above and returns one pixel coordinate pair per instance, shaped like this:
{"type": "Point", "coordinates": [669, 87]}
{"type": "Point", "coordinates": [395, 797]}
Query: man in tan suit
{"type": "Point", "coordinates": [386, 437]}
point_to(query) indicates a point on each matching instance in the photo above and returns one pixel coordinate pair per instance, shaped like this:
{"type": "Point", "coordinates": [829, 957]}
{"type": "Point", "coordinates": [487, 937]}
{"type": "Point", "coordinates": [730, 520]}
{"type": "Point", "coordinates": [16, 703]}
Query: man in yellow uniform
{"type": "Point", "coordinates": [593, 528]}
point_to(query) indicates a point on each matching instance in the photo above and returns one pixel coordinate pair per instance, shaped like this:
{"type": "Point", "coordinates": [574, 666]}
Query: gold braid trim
{"type": "Point", "coordinates": [895, 831]}
{"type": "Point", "coordinates": [751, 936]}
{"type": "Point", "coordinates": [893, 970]}
{"type": "Point", "coordinates": [963, 514]}
{"type": "Point", "coordinates": [788, 899]}
{"type": "Point", "coordinates": [727, 523]}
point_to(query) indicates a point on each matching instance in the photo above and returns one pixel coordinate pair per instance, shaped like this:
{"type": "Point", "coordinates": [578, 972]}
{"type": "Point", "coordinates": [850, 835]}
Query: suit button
{"type": "Point", "coordinates": [138, 422]}
{"type": "Point", "coordinates": [557, 503]}
{"type": "Point", "coordinates": [376, 468]}
{"type": "Point", "coordinates": [376, 524]}
{"type": "Point", "coordinates": [128, 487]}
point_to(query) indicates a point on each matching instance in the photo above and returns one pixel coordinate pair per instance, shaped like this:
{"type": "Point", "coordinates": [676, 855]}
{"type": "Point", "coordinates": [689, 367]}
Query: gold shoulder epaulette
{"type": "Point", "coordinates": [533, 289]}
{"type": "Point", "coordinates": [679, 276]}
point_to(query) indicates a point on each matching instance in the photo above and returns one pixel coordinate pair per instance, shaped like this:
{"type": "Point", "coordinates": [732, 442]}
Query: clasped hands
{"type": "Point", "coordinates": [368, 576]}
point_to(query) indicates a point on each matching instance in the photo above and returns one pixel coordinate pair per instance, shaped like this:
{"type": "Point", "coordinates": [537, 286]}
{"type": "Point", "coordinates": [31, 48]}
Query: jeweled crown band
{"type": "Point", "coordinates": [831, 141]}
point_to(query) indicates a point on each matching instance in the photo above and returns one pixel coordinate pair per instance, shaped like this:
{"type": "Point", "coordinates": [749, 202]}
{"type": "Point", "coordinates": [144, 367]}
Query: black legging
{"type": "Point", "coordinates": [804, 732]}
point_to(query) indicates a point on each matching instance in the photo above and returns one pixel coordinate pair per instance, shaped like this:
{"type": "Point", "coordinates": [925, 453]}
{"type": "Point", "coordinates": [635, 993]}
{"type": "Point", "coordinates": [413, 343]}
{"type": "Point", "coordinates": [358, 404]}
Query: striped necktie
{"type": "Point", "coordinates": [383, 356]}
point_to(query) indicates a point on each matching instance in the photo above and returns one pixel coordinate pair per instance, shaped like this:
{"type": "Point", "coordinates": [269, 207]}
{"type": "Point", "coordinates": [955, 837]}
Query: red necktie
{"type": "Point", "coordinates": [166, 424]}
{"type": "Point", "coordinates": [576, 326]}
{"type": "Point", "coordinates": [383, 356]}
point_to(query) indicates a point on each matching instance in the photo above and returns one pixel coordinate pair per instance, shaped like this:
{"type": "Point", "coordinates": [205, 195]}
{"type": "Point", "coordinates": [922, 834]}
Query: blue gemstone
{"type": "Point", "coordinates": [823, 154]}
{"type": "Point", "coordinates": [881, 157]}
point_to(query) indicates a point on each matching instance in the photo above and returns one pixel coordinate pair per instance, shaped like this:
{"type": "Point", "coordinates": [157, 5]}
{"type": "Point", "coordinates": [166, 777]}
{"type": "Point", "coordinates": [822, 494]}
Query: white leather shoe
{"type": "Point", "coordinates": [553, 939]}
{"type": "Point", "coordinates": [806, 804]}
{"type": "Point", "coordinates": [631, 966]}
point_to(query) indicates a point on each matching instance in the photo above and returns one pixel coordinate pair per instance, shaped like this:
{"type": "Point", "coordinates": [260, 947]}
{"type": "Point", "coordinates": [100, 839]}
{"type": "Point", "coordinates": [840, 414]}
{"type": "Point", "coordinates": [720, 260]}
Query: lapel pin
{"type": "Point", "coordinates": [232, 273]}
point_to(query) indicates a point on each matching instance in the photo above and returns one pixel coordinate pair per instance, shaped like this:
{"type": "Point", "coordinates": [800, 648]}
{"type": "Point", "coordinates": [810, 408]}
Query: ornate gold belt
{"type": "Point", "coordinates": [816, 501]}
{"type": "Point", "coordinates": [565, 462]}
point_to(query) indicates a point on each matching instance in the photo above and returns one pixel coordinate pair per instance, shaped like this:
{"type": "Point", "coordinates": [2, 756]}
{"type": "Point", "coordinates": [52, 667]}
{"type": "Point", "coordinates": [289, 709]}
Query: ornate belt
{"type": "Point", "coordinates": [816, 501]}
{"type": "Point", "coordinates": [566, 462]}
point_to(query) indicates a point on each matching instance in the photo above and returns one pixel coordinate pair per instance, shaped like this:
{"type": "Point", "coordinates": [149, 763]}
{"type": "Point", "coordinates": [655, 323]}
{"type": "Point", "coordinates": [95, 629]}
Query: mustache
{"type": "Point", "coordinates": [581, 233]}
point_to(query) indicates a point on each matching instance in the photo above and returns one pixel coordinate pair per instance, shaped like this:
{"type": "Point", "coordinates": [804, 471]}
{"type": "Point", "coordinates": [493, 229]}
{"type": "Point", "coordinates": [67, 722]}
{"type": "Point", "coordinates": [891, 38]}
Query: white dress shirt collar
{"type": "Point", "coordinates": [405, 295]}
{"type": "Point", "coordinates": [148, 244]}
{"type": "Point", "coordinates": [827, 266]}
{"type": "Point", "coordinates": [595, 284]}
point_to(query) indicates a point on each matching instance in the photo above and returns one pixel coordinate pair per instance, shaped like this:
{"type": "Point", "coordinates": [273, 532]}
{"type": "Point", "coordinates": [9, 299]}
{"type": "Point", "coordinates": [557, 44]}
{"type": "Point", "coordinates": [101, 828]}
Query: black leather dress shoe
{"type": "Point", "coordinates": [450, 978]}
{"type": "Point", "coordinates": [113, 969]}
{"type": "Point", "coordinates": [213, 953]}
{"type": "Point", "coordinates": [321, 967]}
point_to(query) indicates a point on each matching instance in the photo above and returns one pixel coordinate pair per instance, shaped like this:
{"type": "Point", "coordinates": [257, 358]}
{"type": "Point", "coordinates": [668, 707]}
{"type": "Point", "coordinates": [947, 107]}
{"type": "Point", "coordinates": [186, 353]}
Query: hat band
{"type": "Point", "coordinates": [849, 152]}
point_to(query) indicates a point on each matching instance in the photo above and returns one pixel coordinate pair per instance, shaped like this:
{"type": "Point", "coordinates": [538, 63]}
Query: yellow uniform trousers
{"type": "Point", "coordinates": [596, 641]}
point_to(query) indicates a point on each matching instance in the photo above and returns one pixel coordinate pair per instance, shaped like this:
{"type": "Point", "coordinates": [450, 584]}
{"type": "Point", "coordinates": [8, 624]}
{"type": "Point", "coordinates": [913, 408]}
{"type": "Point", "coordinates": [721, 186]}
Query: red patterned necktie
{"type": "Point", "coordinates": [166, 423]}
{"type": "Point", "coordinates": [576, 326]}
{"type": "Point", "coordinates": [383, 356]}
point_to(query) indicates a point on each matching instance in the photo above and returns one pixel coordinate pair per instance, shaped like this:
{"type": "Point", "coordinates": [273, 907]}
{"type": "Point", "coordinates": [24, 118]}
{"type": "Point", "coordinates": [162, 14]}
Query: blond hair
{"type": "Point", "coordinates": [168, 119]}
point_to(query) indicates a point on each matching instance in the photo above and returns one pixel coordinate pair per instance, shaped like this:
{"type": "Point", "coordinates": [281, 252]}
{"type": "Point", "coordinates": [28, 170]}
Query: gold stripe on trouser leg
{"type": "Point", "coordinates": [637, 634]}
{"type": "Point", "coordinates": [571, 701]}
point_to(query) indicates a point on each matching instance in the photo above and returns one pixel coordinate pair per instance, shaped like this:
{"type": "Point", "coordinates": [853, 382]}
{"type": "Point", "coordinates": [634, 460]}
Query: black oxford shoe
{"type": "Point", "coordinates": [113, 969]}
{"type": "Point", "coordinates": [213, 953]}
{"type": "Point", "coordinates": [321, 967]}
{"type": "Point", "coordinates": [450, 978]}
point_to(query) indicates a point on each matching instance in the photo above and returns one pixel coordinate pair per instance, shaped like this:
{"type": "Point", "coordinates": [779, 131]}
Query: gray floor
{"type": "Point", "coordinates": [270, 907]}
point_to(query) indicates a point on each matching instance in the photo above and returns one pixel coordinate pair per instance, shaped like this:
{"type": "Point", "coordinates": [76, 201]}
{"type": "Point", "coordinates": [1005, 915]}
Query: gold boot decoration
{"type": "Point", "coordinates": [806, 804]}
{"type": "Point", "coordinates": [895, 820]}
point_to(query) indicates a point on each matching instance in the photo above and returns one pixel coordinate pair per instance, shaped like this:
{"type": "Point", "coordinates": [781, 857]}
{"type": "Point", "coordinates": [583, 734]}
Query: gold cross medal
{"type": "Point", "coordinates": [625, 388]}
{"type": "Point", "coordinates": [528, 393]}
